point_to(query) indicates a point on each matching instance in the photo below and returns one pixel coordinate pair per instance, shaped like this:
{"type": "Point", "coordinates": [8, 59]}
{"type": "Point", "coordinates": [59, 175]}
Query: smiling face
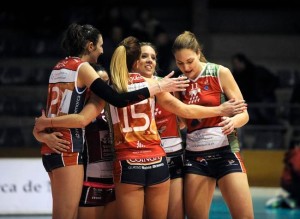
{"type": "Point", "coordinates": [188, 62]}
{"type": "Point", "coordinates": [147, 62]}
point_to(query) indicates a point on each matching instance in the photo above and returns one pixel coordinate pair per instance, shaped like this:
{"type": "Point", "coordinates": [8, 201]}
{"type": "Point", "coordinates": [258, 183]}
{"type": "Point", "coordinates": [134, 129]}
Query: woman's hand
{"type": "Point", "coordinates": [168, 84]}
{"type": "Point", "coordinates": [233, 107]}
{"type": "Point", "coordinates": [227, 125]}
{"type": "Point", "coordinates": [54, 141]}
{"type": "Point", "coordinates": [42, 122]}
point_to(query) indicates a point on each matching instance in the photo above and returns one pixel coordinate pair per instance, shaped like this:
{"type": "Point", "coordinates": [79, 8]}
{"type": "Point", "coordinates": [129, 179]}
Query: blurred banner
{"type": "Point", "coordinates": [24, 187]}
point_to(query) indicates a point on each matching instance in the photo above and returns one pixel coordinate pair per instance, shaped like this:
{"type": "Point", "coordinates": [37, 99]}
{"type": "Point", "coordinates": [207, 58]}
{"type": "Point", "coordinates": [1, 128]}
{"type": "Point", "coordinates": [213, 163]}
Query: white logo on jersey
{"type": "Point", "coordinates": [193, 93]}
{"type": "Point", "coordinates": [140, 145]}
{"type": "Point", "coordinates": [157, 112]}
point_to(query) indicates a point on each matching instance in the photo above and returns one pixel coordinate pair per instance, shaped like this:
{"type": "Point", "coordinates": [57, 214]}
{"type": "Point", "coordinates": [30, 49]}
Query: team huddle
{"type": "Point", "coordinates": [112, 143]}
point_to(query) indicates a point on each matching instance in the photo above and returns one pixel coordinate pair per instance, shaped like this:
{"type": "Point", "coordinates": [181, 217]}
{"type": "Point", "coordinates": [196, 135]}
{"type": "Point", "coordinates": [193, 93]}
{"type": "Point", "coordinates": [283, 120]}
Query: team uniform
{"type": "Point", "coordinates": [98, 186]}
{"type": "Point", "coordinates": [140, 159]}
{"type": "Point", "coordinates": [167, 126]}
{"type": "Point", "coordinates": [64, 97]}
{"type": "Point", "coordinates": [208, 151]}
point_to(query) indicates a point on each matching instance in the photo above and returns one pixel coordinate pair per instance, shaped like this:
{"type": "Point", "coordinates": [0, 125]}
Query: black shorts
{"type": "Point", "coordinates": [215, 165]}
{"type": "Point", "coordinates": [94, 196]}
{"type": "Point", "coordinates": [145, 172]}
{"type": "Point", "coordinates": [175, 163]}
{"type": "Point", "coordinates": [54, 160]}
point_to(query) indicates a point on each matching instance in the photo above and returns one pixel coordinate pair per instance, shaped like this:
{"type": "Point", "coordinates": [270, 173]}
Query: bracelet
{"type": "Point", "coordinates": [159, 86]}
{"type": "Point", "coordinates": [51, 123]}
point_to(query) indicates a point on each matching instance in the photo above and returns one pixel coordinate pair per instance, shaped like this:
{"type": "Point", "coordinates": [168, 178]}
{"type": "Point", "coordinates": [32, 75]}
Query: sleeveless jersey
{"type": "Point", "coordinates": [134, 128]}
{"type": "Point", "coordinates": [64, 97]}
{"type": "Point", "coordinates": [167, 126]}
{"type": "Point", "coordinates": [205, 134]}
{"type": "Point", "coordinates": [98, 150]}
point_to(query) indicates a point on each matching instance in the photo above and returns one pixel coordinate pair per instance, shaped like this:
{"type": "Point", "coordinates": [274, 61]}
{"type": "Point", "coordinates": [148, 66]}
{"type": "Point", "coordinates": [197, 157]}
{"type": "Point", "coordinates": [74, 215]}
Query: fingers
{"type": "Point", "coordinates": [56, 144]}
{"type": "Point", "coordinates": [62, 147]}
{"type": "Point", "coordinates": [241, 101]}
{"type": "Point", "coordinates": [61, 143]}
{"type": "Point", "coordinates": [181, 78]}
{"type": "Point", "coordinates": [227, 126]}
{"type": "Point", "coordinates": [237, 102]}
{"type": "Point", "coordinates": [58, 134]}
{"type": "Point", "coordinates": [225, 121]}
{"type": "Point", "coordinates": [37, 128]}
{"type": "Point", "coordinates": [181, 83]}
{"type": "Point", "coordinates": [180, 87]}
{"type": "Point", "coordinates": [227, 131]}
{"type": "Point", "coordinates": [169, 75]}
{"type": "Point", "coordinates": [240, 108]}
{"type": "Point", "coordinates": [59, 148]}
{"type": "Point", "coordinates": [56, 151]}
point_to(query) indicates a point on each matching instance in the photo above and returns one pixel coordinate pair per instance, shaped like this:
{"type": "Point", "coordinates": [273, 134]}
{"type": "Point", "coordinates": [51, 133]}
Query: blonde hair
{"type": "Point", "coordinates": [123, 59]}
{"type": "Point", "coordinates": [118, 69]}
{"type": "Point", "coordinates": [188, 40]}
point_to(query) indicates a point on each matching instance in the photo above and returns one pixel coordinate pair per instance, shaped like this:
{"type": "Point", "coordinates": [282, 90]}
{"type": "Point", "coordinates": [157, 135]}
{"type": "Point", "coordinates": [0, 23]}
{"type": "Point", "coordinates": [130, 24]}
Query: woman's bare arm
{"type": "Point", "coordinates": [172, 104]}
{"type": "Point", "coordinates": [52, 140]}
{"type": "Point", "coordinates": [232, 90]}
{"type": "Point", "coordinates": [90, 111]}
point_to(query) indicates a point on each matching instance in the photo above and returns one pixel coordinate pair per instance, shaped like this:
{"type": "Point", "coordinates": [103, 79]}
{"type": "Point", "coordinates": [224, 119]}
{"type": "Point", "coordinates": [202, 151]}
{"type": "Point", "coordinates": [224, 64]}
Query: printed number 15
{"type": "Point", "coordinates": [135, 115]}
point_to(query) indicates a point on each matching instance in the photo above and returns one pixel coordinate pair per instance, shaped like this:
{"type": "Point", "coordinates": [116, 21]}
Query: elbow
{"type": "Point", "coordinates": [247, 118]}
{"type": "Point", "coordinates": [242, 121]}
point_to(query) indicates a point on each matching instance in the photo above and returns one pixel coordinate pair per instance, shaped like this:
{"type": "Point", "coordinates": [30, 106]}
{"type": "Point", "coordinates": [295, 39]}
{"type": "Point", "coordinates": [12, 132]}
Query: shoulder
{"type": "Point", "coordinates": [84, 66]}
{"type": "Point", "coordinates": [84, 69]}
{"type": "Point", "coordinates": [225, 75]}
{"type": "Point", "coordinates": [213, 69]}
{"type": "Point", "coordinates": [223, 70]}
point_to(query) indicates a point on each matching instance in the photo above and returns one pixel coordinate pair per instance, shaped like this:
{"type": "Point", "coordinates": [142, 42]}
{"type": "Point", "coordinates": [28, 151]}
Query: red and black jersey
{"type": "Point", "coordinates": [65, 97]}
